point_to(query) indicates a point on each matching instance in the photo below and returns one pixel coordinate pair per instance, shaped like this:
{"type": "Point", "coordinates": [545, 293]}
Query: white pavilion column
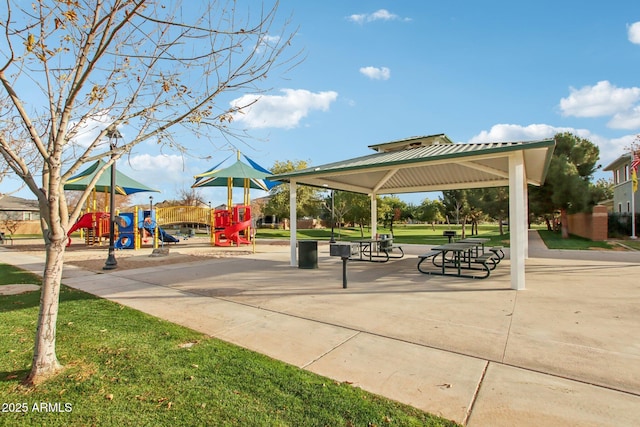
{"type": "Point", "coordinates": [374, 215]}
{"type": "Point", "coordinates": [293, 222]}
{"type": "Point", "coordinates": [526, 216]}
{"type": "Point", "coordinates": [517, 219]}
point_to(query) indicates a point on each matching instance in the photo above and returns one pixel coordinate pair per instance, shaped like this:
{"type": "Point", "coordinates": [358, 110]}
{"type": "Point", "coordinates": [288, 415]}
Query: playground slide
{"type": "Point", "coordinates": [164, 236]}
{"type": "Point", "coordinates": [86, 221]}
{"type": "Point", "coordinates": [232, 234]}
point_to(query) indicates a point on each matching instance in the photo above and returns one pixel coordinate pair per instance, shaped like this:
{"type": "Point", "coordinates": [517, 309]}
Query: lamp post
{"type": "Point", "coordinates": [111, 263]}
{"type": "Point", "coordinates": [150, 205]}
{"type": "Point", "coordinates": [210, 225]}
{"type": "Point", "coordinates": [333, 239]}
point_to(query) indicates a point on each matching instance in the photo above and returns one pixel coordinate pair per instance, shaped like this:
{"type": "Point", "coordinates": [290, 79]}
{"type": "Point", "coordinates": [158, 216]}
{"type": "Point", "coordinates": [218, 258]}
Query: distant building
{"type": "Point", "coordinates": [622, 185]}
{"type": "Point", "coordinates": [18, 209]}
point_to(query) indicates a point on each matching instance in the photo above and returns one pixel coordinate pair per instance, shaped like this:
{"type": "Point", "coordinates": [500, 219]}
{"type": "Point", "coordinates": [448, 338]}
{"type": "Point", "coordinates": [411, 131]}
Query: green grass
{"type": "Point", "coordinates": [634, 244]}
{"type": "Point", "coordinates": [123, 367]}
{"type": "Point", "coordinates": [402, 233]}
{"type": "Point", "coordinates": [554, 240]}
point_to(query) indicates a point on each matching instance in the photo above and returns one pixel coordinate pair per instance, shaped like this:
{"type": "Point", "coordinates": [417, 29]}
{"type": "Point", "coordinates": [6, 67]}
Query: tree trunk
{"type": "Point", "coordinates": [45, 362]}
{"type": "Point", "coordinates": [564, 222]}
{"type": "Point", "coordinates": [464, 228]}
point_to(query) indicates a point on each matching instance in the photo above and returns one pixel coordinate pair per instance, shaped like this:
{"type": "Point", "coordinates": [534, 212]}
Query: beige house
{"type": "Point", "coordinates": [18, 215]}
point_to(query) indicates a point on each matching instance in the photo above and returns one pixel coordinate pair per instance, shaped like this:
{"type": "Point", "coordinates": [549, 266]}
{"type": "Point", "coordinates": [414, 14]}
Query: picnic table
{"type": "Point", "coordinates": [459, 259]}
{"type": "Point", "coordinates": [4, 238]}
{"type": "Point", "coordinates": [376, 250]}
{"type": "Point", "coordinates": [478, 240]}
{"type": "Point", "coordinates": [497, 250]}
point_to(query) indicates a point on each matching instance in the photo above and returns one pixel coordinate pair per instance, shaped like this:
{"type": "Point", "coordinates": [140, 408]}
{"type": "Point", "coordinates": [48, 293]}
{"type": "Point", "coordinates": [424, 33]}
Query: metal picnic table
{"type": "Point", "coordinates": [464, 256]}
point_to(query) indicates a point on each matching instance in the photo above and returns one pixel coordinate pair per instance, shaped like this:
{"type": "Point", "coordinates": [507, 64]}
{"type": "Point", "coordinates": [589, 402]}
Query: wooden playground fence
{"type": "Point", "coordinates": [183, 215]}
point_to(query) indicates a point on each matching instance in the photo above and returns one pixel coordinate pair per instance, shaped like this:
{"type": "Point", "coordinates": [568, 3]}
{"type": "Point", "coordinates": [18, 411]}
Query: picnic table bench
{"type": "Point", "coordinates": [376, 250]}
{"type": "Point", "coordinates": [460, 259]}
{"type": "Point", "coordinates": [4, 238]}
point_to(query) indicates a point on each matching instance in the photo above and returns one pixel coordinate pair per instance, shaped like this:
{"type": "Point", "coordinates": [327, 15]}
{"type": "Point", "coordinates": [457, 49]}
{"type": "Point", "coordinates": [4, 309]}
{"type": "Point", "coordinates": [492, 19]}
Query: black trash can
{"type": "Point", "coordinates": [308, 254]}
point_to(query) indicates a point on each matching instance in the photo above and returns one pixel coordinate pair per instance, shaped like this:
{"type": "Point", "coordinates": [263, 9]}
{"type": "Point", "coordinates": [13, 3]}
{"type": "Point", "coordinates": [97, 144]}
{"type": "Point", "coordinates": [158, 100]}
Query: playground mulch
{"type": "Point", "coordinates": [92, 258]}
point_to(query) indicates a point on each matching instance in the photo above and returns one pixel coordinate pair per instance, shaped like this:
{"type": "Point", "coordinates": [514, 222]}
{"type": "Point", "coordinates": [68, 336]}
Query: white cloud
{"type": "Point", "coordinates": [167, 163]}
{"type": "Point", "coordinates": [161, 172]}
{"type": "Point", "coordinates": [268, 42]}
{"type": "Point", "coordinates": [626, 120]}
{"type": "Point", "coordinates": [87, 131]}
{"type": "Point", "coordinates": [281, 111]}
{"type": "Point", "coordinates": [508, 133]}
{"type": "Point", "coordinates": [634, 33]}
{"type": "Point", "coordinates": [610, 149]}
{"type": "Point", "coordinates": [378, 15]}
{"type": "Point", "coordinates": [603, 99]}
{"type": "Point", "coordinates": [376, 73]}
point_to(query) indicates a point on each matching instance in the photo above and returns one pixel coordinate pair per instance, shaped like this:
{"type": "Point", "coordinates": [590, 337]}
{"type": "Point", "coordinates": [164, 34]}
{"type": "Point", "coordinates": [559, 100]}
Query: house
{"type": "Point", "coordinates": [19, 216]}
{"type": "Point", "coordinates": [623, 196]}
{"type": "Point", "coordinates": [18, 209]}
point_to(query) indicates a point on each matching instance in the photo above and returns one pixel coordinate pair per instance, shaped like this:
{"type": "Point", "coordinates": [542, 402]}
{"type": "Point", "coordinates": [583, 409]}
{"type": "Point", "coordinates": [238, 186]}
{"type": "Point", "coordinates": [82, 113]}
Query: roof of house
{"type": "Point", "coordinates": [625, 158]}
{"type": "Point", "coordinates": [11, 203]}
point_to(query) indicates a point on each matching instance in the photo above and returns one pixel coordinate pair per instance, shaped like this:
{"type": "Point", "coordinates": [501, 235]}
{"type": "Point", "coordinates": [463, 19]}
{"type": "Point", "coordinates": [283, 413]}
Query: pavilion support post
{"type": "Point", "coordinates": [526, 217]}
{"type": "Point", "coordinates": [374, 215]}
{"type": "Point", "coordinates": [293, 222]}
{"type": "Point", "coordinates": [517, 219]}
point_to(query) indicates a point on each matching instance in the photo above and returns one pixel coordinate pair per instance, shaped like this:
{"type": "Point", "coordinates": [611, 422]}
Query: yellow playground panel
{"type": "Point", "coordinates": [183, 215]}
{"type": "Point", "coordinates": [227, 227]}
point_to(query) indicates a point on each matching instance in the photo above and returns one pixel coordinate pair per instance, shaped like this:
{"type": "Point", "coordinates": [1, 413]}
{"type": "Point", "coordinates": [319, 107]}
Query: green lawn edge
{"type": "Point", "coordinates": [124, 367]}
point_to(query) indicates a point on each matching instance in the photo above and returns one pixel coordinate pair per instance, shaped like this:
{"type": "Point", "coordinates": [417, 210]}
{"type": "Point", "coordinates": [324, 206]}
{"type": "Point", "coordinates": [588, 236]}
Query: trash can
{"type": "Point", "coordinates": [308, 254]}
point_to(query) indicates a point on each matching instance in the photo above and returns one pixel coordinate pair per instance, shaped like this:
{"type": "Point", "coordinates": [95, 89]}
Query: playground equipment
{"type": "Point", "coordinates": [228, 227]}
{"type": "Point", "coordinates": [232, 227]}
{"type": "Point", "coordinates": [131, 227]}
{"type": "Point", "coordinates": [96, 224]}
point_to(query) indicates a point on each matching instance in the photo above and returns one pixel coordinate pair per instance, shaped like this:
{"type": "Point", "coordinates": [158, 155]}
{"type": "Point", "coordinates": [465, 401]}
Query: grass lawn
{"type": "Point", "coordinates": [634, 244]}
{"type": "Point", "coordinates": [402, 233]}
{"type": "Point", "coordinates": [554, 240]}
{"type": "Point", "coordinates": [123, 367]}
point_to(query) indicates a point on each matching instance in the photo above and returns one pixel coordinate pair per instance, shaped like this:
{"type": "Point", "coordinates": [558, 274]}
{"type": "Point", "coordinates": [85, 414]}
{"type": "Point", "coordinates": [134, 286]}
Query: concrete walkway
{"type": "Point", "coordinates": [565, 351]}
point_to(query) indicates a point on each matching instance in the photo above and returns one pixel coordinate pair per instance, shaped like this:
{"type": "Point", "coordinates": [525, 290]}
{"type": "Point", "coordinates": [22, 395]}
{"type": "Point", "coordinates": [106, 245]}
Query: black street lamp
{"type": "Point", "coordinates": [150, 205]}
{"type": "Point", "coordinates": [333, 239]}
{"type": "Point", "coordinates": [111, 263]}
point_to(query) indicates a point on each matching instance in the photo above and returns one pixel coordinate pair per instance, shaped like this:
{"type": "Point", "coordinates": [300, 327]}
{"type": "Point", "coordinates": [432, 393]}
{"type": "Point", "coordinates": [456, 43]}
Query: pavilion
{"type": "Point", "coordinates": [435, 163]}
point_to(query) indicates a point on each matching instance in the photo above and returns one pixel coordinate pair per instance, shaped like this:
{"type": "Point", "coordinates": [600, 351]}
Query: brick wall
{"type": "Point", "coordinates": [590, 225]}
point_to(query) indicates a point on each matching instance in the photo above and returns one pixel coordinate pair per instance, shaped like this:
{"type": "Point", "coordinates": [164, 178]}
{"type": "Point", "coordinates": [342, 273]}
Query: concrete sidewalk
{"type": "Point", "coordinates": [565, 351]}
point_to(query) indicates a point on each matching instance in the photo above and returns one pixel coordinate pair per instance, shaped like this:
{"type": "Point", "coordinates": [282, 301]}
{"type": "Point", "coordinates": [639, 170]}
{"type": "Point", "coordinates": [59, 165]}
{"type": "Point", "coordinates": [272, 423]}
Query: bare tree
{"type": "Point", "coordinates": [75, 71]}
{"type": "Point", "coordinates": [190, 197]}
{"type": "Point", "coordinates": [11, 225]}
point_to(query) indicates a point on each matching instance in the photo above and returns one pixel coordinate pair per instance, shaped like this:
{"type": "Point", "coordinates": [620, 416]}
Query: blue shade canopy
{"type": "Point", "coordinates": [124, 184]}
{"type": "Point", "coordinates": [270, 184]}
{"type": "Point", "coordinates": [238, 172]}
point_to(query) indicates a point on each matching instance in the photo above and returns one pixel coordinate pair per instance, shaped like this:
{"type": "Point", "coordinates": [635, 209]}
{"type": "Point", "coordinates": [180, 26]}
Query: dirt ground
{"type": "Point", "coordinates": [93, 257]}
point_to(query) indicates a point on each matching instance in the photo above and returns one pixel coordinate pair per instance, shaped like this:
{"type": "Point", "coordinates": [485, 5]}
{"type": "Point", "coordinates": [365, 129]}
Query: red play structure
{"type": "Point", "coordinates": [97, 225]}
{"type": "Point", "coordinates": [232, 227]}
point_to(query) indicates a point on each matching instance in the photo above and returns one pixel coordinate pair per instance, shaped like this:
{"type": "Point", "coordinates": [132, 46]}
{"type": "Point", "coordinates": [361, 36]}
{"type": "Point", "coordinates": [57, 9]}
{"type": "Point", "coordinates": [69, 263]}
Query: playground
{"type": "Point", "coordinates": [138, 227]}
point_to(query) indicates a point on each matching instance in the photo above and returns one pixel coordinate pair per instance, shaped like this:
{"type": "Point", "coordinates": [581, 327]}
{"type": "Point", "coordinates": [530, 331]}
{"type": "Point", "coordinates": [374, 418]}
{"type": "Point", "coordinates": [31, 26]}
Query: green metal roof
{"type": "Point", "coordinates": [428, 168]}
{"type": "Point", "coordinates": [124, 184]}
{"type": "Point", "coordinates": [413, 142]}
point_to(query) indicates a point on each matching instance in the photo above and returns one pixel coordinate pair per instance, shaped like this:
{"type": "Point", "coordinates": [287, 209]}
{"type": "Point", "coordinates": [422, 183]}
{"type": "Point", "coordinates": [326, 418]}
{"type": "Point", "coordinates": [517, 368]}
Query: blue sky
{"type": "Point", "coordinates": [379, 71]}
